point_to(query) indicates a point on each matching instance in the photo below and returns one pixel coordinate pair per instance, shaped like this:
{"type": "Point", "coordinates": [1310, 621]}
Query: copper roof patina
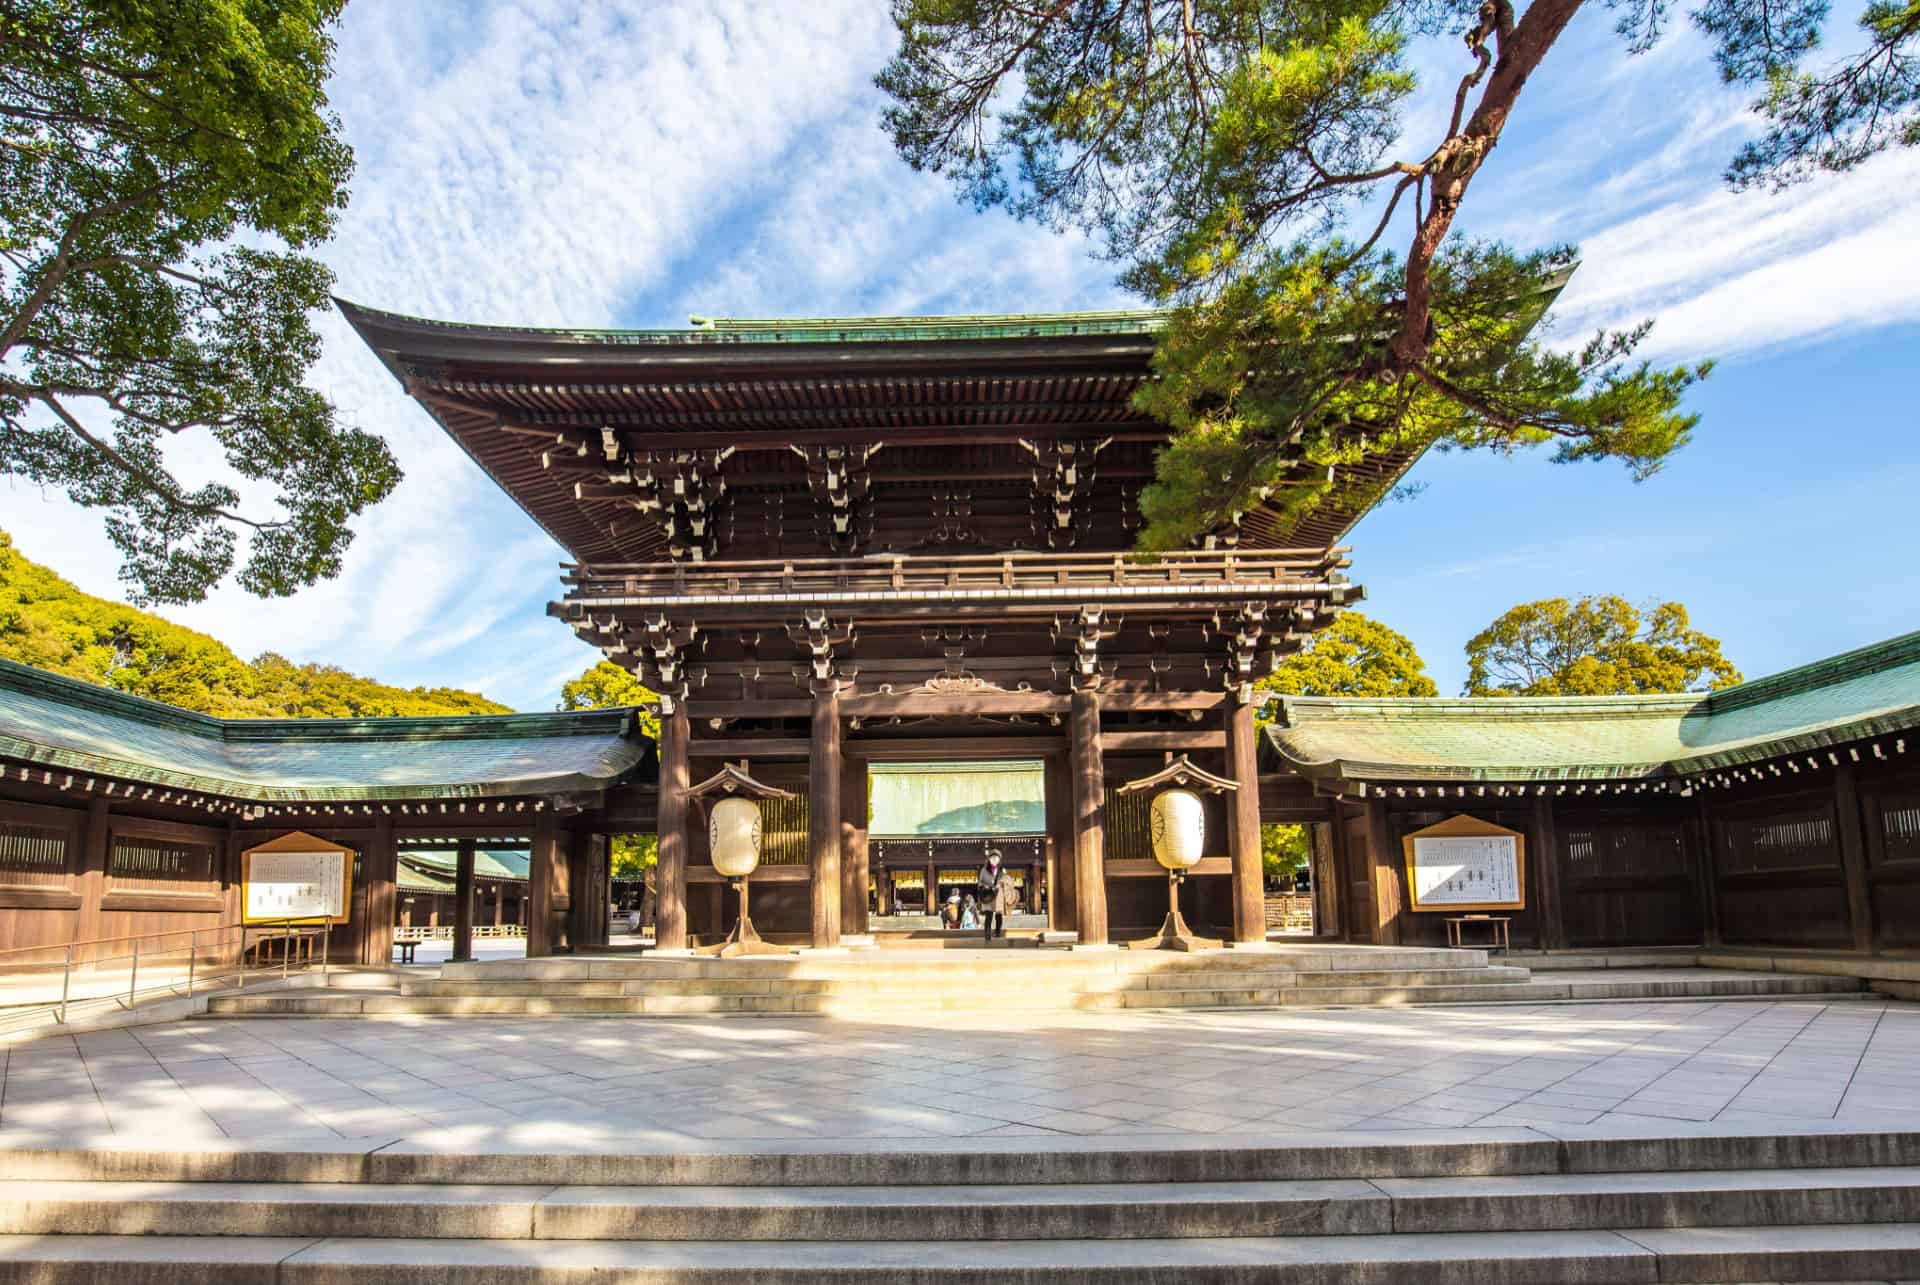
{"type": "Point", "coordinates": [62, 722]}
{"type": "Point", "coordinates": [1872, 691]}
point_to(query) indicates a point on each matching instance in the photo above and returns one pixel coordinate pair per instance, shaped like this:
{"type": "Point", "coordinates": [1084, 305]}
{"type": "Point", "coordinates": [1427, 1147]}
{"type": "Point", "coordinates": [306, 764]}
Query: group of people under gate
{"type": "Point", "coordinates": [994, 897]}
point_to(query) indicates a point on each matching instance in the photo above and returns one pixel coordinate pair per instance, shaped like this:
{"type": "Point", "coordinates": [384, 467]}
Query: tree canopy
{"type": "Point", "coordinates": [47, 623]}
{"type": "Point", "coordinates": [607, 686]}
{"type": "Point", "coordinates": [162, 167]}
{"type": "Point", "coordinates": [1354, 656]}
{"type": "Point", "coordinates": [1246, 161]}
{"type": "Point", "coordinates": [1602, 646]}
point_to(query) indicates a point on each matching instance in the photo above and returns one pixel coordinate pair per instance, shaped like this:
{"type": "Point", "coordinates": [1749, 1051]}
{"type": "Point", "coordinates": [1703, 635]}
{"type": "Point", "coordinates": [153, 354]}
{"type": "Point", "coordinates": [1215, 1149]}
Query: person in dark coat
{"type": "Point", "coordinates": [994, 888]}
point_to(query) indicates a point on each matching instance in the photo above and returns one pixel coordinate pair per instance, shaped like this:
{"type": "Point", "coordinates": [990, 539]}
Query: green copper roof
{"type": "Point", "coordinates": [808, 330]}
{"type": "Point", "coordinates": [488, 863]}
{"type": "Point", "coordinates": [61, 722]}
{"type": "Point", "coordinates": [1872, 691]}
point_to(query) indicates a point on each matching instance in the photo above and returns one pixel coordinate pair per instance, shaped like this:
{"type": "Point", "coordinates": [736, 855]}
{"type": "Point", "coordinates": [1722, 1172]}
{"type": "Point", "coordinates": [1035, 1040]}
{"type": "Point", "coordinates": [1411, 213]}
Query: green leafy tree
{"type": "Point", "coordinates": [1284, 850]}
{"type": "Point", "coordinates": [47, 623]}
{"type": "Point", "coordinates": [1354, 656]}
{"type": "Point", "coordinates": [1594, 647]}
{"type": "Point", "coordinates": [607, 686]}
{"type": "Point", "coordinates": [1245, 161]}
{"type": "Point", "coordinates": [162, 167]}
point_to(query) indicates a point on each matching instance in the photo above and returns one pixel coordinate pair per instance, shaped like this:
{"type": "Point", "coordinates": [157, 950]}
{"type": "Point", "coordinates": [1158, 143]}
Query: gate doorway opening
{"type": "Point", "coordinates": [931, 826]}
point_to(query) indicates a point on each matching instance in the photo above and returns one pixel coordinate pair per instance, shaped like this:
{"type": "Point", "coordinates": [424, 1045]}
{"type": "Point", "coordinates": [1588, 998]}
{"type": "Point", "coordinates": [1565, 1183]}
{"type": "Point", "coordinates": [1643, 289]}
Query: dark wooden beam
{"type": "Point", "coordinates": [950, 704]}
{"type": "Point", "coordinates": [749, 747]}
{"type": "Point", "coordinates": [1198, 738]}
{"type": "Point", "coordinates": [924, 749]}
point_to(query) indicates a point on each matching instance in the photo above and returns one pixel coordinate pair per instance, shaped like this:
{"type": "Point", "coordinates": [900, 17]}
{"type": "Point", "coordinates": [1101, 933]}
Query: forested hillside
{"type": "Point", "coordinates": [46, 622]}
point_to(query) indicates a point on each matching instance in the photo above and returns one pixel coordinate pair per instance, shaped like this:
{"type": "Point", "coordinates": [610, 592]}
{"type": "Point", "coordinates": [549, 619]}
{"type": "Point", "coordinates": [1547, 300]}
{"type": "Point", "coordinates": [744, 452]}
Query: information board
{"type": "Point", "coordinates": [1465, 864]}
{"type": "Point", "coordinates": [296, 885]}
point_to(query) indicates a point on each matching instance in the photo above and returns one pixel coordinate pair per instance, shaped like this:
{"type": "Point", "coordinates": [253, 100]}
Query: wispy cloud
{"type": "Point", "coordinates": [551, 163]}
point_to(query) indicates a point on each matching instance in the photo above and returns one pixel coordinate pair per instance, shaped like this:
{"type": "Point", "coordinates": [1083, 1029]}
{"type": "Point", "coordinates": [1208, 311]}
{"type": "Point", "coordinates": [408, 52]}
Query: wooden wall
{"type": "Point", "coordinates": [1820, 860]}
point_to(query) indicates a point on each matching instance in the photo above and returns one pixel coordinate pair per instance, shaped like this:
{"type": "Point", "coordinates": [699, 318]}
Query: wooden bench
{"type": "Point", "coordinates": [406, 946]}
{"type": "Point", "coordinates": [1500, 941]}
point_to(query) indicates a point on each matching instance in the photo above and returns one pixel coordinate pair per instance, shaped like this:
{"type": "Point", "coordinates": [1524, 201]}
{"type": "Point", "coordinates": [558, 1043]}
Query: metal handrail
{"type": "Point", "coordinates": [286, 930]}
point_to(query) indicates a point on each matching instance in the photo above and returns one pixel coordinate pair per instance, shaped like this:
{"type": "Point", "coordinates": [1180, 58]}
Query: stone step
{"type": "Point", "coordinates": [881, 983]}
{"type": "Point", "coordinates": [1085, 1212]}
{"type": "Point", "coordinates": [1010, 960]}
{"type": "Point", "coordinates": [1632, 1257]}
{"type": "Point", "coordinates": [1517, 1153]}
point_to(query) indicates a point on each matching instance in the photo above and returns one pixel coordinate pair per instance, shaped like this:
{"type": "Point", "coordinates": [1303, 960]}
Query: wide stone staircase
{"type": "Point", "coordinates": [1506, 1207]}
{"type": "Point", "coordinates": [879, 984]}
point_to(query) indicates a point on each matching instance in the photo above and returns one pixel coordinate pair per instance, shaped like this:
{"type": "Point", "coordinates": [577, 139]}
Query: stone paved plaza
{"type": "Point", "coordinates": [518, 1083]}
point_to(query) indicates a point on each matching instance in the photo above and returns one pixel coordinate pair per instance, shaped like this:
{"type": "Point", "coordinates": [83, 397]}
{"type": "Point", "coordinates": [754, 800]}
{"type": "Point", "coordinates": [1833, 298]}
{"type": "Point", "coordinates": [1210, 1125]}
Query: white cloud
{"type": "Point", "coordinates": [1726, 273]}
{"type": "Point", "coordinates": [552, 163]}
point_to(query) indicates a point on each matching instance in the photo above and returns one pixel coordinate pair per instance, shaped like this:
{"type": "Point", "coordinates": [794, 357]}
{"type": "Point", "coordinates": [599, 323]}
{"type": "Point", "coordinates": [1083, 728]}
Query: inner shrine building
{"type": "Point", "coordinates": [837, 548]}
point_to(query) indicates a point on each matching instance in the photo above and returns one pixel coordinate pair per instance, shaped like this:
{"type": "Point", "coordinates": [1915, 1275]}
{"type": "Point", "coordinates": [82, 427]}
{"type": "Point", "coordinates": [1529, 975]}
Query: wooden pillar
{"type": "Point", "coordinates": [1089, 820]}
{"type": "Point", "coordinates": [380, 871]}
{"type": "Point", "coordinates": [1243, 821]}
{"type": "Point", "coordinates": [670, 872]}
{"type": "Point", "coordinates": [929, 901]}
{"type": "Point", "coordinates": [1707, 872]}
{"type": "Point", "coordinates": [1329, 895]}
{"type": "Point", "coordinates": [853, 847]}
{"type": "Point", "coordinates": [540, 863]}
{"type": "Point", "coordinates": [1338, 909]}
{"type": "Point", "coordinates": [92, 881]}
{"type": "Point", "coordinates": [1853, 856]}
{"type": "Point", "coordinates": [1384, 863]}
{"type": "Point", "coordinates": [463, 903]}
{"type": "Point", "coordinates": [823, 817]}
{"type": "Point", "coordinates": [1060, 847]}
{"type": "Point", "coordinates": [1546, 866]}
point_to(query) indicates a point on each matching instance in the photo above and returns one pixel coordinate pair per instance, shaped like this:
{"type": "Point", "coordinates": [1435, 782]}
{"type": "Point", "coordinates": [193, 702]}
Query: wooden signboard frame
{"type": "Point", "coordinates": [1466, 827]}
{"type": "Point", "coordinates": [300, 841]}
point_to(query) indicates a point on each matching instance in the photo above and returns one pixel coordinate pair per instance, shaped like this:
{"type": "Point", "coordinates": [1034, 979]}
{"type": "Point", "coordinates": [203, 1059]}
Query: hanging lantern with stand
{"type": "Point", "coordinates": [733, 841]}
{"type": "Point", "coordinates": [1178, 820]}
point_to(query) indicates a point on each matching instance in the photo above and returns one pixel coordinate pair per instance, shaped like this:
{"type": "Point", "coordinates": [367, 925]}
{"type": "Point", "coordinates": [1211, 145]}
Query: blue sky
{"type": "Point", "coordinates": [549, 163]}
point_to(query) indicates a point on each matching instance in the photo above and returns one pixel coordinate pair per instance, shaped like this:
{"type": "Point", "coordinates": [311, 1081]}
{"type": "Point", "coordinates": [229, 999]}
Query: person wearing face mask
{"type": "Point", "coordinates": [994, 888]}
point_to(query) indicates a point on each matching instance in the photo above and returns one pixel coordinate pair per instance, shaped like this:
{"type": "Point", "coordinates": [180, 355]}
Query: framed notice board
{"type": "Point", "coordinates": [1464, 864]}
{"type": "Point", "coordinates": [296, 877]}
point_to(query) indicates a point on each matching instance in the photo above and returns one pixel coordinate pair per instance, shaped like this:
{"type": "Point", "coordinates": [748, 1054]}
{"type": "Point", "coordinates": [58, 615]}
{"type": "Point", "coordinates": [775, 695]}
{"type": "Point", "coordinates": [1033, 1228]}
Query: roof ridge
{"type": "Point", "coordinates": [420, 727]}
{"type": "Point", "coordinates": [739, 330]}
{"type": "Point", "coordinates": [1481, 706]}
{"type": "Point", "coordinates": [1874, 658]}
{"type": "Point", "coordinates": [109, 700]}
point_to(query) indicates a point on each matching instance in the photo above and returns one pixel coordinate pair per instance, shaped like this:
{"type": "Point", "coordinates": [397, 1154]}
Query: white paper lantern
{"type": "Point", "coordinates": [1179, 823]}
{"type": "Point", "coordinates": [733, 837]}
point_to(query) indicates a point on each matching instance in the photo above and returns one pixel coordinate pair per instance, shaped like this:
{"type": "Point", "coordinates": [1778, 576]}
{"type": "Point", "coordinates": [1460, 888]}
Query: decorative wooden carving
{"type": "Point", "coordinates": [1063, 479]}
{"type": "Point", "coordinates": [1249, 649]}
{"type": "Point", "coordinates": [683, 492]}
{"type": "Point", "coordinates": [841, 478]}
{"type": "Point", "coordinates": [661, 650]}
{"type": "Point", "coordinates": [822, 638]}
{"type": "Point", "coordinates": [1087, 630]}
